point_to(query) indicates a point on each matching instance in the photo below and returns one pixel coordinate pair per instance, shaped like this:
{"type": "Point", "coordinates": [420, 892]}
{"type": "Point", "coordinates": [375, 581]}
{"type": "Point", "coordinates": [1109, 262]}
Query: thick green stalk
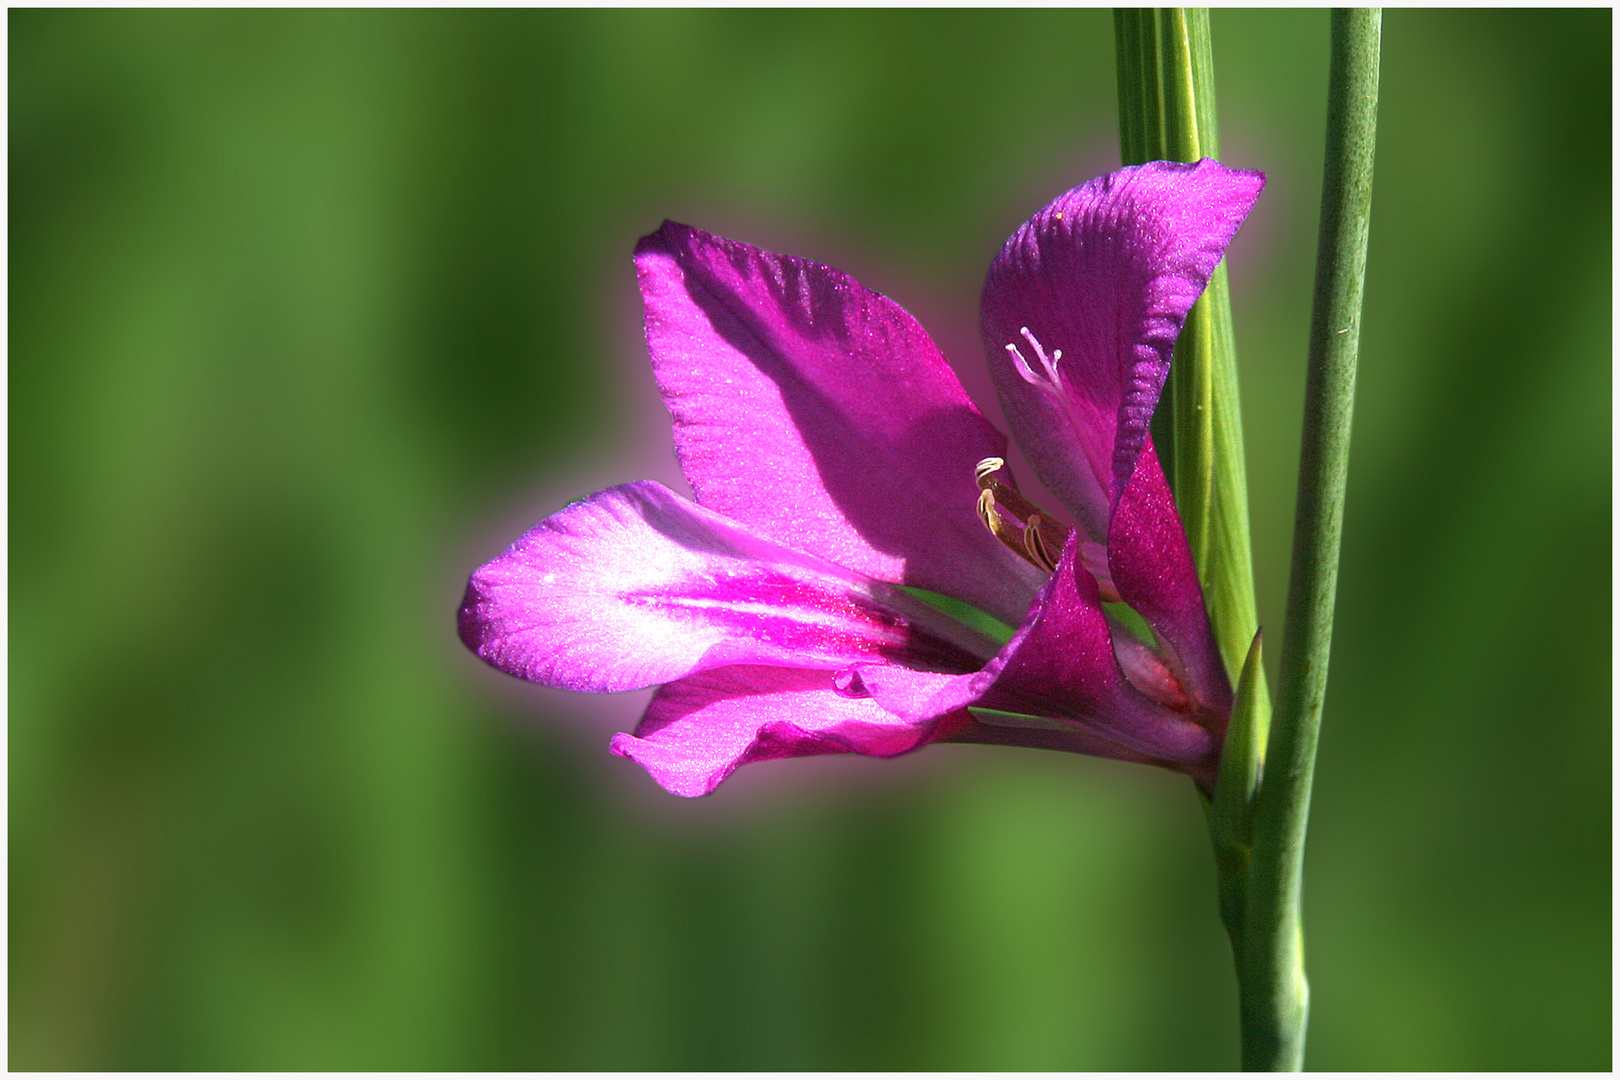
{"type": "Point", "coordinates": [1167, 113]}
{"type": "Point", "coordinates": [1272, 971]}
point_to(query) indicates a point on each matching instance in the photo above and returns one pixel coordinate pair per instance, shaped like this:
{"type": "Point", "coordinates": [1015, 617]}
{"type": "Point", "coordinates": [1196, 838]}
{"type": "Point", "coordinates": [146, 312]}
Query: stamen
{"type": "Point", "coordinates": [987, 510]}
{"type": "Point", "coordinates": [1039, 540]}
{"type": "Point", "coordinates": [1009, 499]}
{"type": "Point", "coordinates": [1035, 547]}
{"type": "Point", "coordinates": [998, 528]}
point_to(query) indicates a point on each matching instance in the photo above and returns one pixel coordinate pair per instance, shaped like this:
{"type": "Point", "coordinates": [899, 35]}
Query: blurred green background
{"type": "Point", "coordinates": [312, 312]}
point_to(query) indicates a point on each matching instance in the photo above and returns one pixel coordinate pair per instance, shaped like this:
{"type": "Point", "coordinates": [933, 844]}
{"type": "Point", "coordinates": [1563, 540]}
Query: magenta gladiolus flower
{"type": "Point", "coordinates": [837, 465]}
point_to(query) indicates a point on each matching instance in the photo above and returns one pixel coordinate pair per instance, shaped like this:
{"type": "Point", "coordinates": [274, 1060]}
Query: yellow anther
{"type": "Point", "coordinates": [1039, 540]}
{"type": "Point", "coordinates": [987, 510]}
{"type": "Point", "coordinates": [1035, 548]}
{"type": "Point", "coordinates": [998, 527]}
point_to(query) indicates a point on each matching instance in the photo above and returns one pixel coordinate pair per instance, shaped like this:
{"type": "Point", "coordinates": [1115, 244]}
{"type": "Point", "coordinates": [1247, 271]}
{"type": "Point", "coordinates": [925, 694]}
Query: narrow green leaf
{"type": "Point", "coordinates": [1184, 32]}
{"type": "Point", "coordinates": [982, 621]}
{"type": "Point", "coordinates": [1243, 754]}
{"type": "Point", "coordinates": [1230, 813]}
{"type": "Point", "coordinates": [1128, 60]}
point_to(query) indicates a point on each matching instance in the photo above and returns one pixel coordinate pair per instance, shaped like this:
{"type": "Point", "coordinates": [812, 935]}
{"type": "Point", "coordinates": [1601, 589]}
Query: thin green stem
{"type": "Point", "coordinates": [1272, 974]}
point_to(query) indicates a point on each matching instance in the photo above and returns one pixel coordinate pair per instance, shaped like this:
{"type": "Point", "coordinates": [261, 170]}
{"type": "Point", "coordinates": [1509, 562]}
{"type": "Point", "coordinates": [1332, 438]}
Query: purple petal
{"type": "Point", "coordinates": [1059, 665]}
{"type": "Point", "coordinates": [1146, 669]}
{"type": "Point", "coordinates": [819, 413]}
{"type": "Point", "coordinates": [699, 729]}
{"type": "Point", "coordinates": [636, 586]}
{"type": "Point", "coordinates": [1041, 734]}
{"type": "Point", "coordinates": [1153, 570]}
{"type": "Point", "coordinates": [1104, 276]}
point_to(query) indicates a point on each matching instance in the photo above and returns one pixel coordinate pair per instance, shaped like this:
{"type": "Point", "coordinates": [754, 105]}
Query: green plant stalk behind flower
{"type": "Point", "coordinates": [1167, 110]}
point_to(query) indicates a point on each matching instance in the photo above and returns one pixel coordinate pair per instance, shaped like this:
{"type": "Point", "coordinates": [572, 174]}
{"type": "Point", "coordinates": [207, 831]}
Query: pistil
{"type": "Point", "coordinates": [1050, 375]}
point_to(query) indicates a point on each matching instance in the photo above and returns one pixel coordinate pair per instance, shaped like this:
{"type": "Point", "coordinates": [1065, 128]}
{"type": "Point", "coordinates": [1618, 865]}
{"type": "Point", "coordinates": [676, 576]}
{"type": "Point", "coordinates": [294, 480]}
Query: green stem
{"type": "Point", "coordinates": [1167, 113]}
{"type": "Point", "coordinates": [1272, 973]}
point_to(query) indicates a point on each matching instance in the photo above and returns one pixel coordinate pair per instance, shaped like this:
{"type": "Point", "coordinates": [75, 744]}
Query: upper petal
{"type": "Point", "coordinates": [1104, 275]}
{"type": "Point", "coordinates": [636, 586]}
{"type": "Point", "coordinates": [821, 414]}
{"type": "Point", "coordinates": [698, 730]}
